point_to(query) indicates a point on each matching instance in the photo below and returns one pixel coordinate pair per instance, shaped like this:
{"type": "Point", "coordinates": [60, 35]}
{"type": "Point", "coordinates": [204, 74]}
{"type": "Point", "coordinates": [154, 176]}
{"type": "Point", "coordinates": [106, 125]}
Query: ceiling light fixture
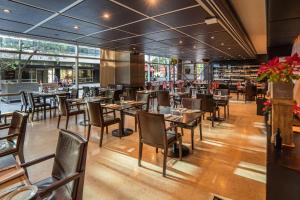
{"type": "Point", "coordinates": [228, 48]}
{"type": "Point", "coordinates": [106, 15]}
{"type": "Point", "coordinates": [194, 47]}
{"type": "Point", "coordinates": [76, 27]}
{"type": "Point", "coordinates": [212, 37]}
{"type": "Point", "coordinates": [222, 44]}
{"type": "Point", "coordinates": [7, 11]}
{"type": "Point", "coordinates": [210, 21]}
{"type": "Point", "coordinates": [180, 42]}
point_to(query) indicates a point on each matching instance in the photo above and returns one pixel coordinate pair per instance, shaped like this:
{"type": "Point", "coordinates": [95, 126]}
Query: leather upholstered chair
{"type": "Point", "coordinates": [208, 105]}
{"type": "Point", "coordinates": [36, 105]}
{"type": "Point", "coordinates": [153, 132]}
{"type": "Point", "coordinates": [193, 104]}
{"type": "Point", "coordinates": [67, 177]}
{"type": "Point", "coordinates": [163, 99]}
{"type": "Point", "coordinates": [133, 111]}
{"type": "Point", "coordinates": [65, 109]}
{"type": "Point", "coordinates": [101, 119]}
{"type": "Point", "coordinates": [14, 140]}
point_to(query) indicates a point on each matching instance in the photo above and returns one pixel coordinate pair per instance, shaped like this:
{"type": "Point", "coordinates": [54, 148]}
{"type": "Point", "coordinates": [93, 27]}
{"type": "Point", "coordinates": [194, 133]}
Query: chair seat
{"type": "Point", "coordinates": [41, 104]}
{"type": "Point", "coordinates": [171, 136]}
{"type": "Point", "coordinates": [110, 120]}
{"type": "Point", "coordinates": [7, 145]}
{"type": "Point", "coordinates": [60, 193]}
{"type": "Point", "coordinates": [76, 112]}
{"type": "Point", "coordinates": [192, 124]}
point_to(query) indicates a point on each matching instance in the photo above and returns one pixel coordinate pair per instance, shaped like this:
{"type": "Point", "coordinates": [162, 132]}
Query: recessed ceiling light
{"type": "Point", "coordinates": [194, 47]}
{"type": "Point", "coordinates": [106, 15]}
{"type": "Point", "coordinates": [228, 48]}
{"type": "Point", "coordinates": [76, 27]}
{"type": "Point", "coordinates": [222, 44]}
{"type": "Point", "coordinates": [7, 11]}
{"type": "Point", "coordinates": [180, 42]}
{"type": "Point", "coordinates": [133, 48]}
{"type": "Point", "coordinates": [212, 37]}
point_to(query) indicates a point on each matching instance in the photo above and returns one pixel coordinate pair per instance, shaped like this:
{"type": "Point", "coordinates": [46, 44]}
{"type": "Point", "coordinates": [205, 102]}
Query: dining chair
{"type": "Point", "coordinates": [223, 103]}
{"type": "Point", "coordinates": [67, 177]}
{"type": "Point", "coordinates": [192, 104]}
{"type": "Point", "coordinates": [163, 99]}
{"type": "Point", "coordinates": [67, 110]}
{"type": "Point", "coordinates": [74, 93]}
{"type": "Point", "coordinates": [111, 95]}
{"type": "Point", "coordinates": [153, 132]}
{"type": "Point", "coordinates": [85, 91]}
{"type": "Point", "coordinates": [208, 105]}
{"type": "Point", "coordinates": [13, 142]}
{"type": "Point", "coordinates": [24, 101]}
{"type": "Point", "coordinates": [98, 118]}
{"type": "Point", "coordinates": [133, 111]}
{"type": "Point", "coordinates": [37, 105]}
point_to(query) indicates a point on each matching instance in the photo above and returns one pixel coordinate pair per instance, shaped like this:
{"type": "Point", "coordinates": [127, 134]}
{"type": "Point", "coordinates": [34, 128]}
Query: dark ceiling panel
{"type": "Point", "coordinates": [183, 41]}
{"type": "Point", "coordinates": [201, 29]}
{"type": "Point", "coordinates": [13, 26]}
{"type": "Point", "coordinates": [55, 5]}
{"type": "Point", "coordinates": [91, 40]}
{"type": "Point", "coordinates": [185, 17]}
{"type": "Point", "coordinates": [135, 40]}
{"type": "Point", "coordinates": [156, 7]}
{"type": "Point", "coordinates": [50, 33]}
{"type": "Point", "coordinates": [143, 27]}
{"type": "Point", "coordinates": [21, 13]}
{"type": "Point", "coordinates": [112, 35]}
{"type": "Point", "coordinates": [67, 24]}
{"type": "Point", "coordinates": [164, 35]}
{"type": "Point", "coordinates": [93, 11]}
{"type": "Point", "coordinates": [280, 10]}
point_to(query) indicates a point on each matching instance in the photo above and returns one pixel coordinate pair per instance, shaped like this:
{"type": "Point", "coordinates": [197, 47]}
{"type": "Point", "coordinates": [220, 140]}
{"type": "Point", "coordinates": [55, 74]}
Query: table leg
{"type": "Point", "coordinates": [122, 132]}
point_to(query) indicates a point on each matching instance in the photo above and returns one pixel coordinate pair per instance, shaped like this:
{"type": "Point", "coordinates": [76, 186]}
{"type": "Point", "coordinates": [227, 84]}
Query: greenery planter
{"type": "Point", "coordinates": [282, 90]}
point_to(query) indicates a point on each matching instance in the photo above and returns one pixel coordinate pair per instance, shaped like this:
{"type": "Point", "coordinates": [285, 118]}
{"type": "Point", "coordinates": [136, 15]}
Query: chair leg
{"type": "Point", "coordinates": [76, 119]}
{"type": "Point", "coordinates": [84, 118]}
{"type": "Point", "coordinates": [89, 132]}
{"type": "Point", "coordinates": [225, 114]}
{"type": "Point", "coordinates": [50, 111]}
{"type": "Point", "coordinates": [140, 153]}
{"type": "Point", "coordinates": [228, 110]}
{"type": "Point", "coordinates": [180, 148]}
{"type": "Point", "coordinates": [156, 150]}
{"type": "Point", "coordinates": [21, 107]}
{"type": "Point", "coordinates": [58, 122]}
{"type": "Point", "coordinates": [106, 130]}
{"type": "Point", "coordinates": [192, 138]}
{"type": "Point", "coordinates": [165, 161]}
{"type": "Point", "coordinates": [32, 114]}
{"type": "Point", "coordinates": [182, 131]}
{"type": "Point", "coordinates": [101, 136]}
{"type": "Point", "coordinates": [213, 119]}
{"type": "Point", "coordinates": [67, 122]}
{"type": "Point", "coordinates": [200, 130]}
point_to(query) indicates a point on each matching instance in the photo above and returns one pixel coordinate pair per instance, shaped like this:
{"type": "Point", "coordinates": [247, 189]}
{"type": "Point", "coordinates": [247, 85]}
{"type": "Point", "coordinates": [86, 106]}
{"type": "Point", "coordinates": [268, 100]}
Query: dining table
{"type": "Point", "coordinates": [12, 178]}
{"type": "Point", "coordinates": [121, 107]}
{"type": "Point", "coordinates": [180, 116]}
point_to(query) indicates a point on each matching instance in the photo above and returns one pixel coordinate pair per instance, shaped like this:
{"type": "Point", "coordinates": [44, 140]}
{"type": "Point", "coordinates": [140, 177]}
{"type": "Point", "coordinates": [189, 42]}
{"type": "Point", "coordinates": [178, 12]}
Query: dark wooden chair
{"type": "Point", "coordinates": [223, 103]}
{"type": "Point", "coordinates": [163, 99]}
{"type": "Point", "coordinates": [67, 177]}
{"type": "Point", "coordinates": [133, 111]}
{"type": "Point", "coordinates": [67, 110]}
{"type": "Point", "coordinates": [37, 105]}
{"type": "Point", "coordinates": [85, 91]}
{"type": "Point", "coordinates": [74, 93]}
{"type": "Point", "coordinates": [193, 104]}
{"type": "Point", "coordinates": [101, 119]}
{"type": "Point", "coordinates": [14, 140]}
{"type": "Point", "coordinates": [111, 95]}
{"type": "Point", "coordinates": [153, 132]}
{"type": "Point", "coordinates": [24, 101]}
{"type": "Point", "coordinates": [208, 105]}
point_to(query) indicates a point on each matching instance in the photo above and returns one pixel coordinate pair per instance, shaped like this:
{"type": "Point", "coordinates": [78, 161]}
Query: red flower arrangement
{"type": "Point", "coordinates": [284, 71]}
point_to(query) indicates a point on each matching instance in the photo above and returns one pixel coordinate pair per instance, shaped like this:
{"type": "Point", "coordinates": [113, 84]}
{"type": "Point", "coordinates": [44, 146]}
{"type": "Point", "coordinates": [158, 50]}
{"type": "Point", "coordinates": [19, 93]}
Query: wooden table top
{"type": "Point", "coordinates": [11, 178]}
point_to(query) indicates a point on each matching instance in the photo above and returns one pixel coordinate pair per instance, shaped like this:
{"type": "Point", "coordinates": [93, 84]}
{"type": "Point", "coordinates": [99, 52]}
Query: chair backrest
{"type": "Point", "coordinates": [95, 113]}
{"type": "Point", "coordinates": [18, 126]}
{"type": "Point", "coordinates": [224, 92]}
{"type": "Point", "coordinates": [62, 105]}
{"type": "Point", "coordinates": [85, 91]}
{"type": "Point", "coordinates": [152, 129]}
{"type": "Point", "coordinates": [143, 97]}
{"type": "Point", "coordinates": [24, 99]}
{"type": "Point", "coordinates": [32, 99]}
{"type": "Point", "coordinates": [74, 93]}
{"type": "Point", "coordinates": [163, 98]}
{"type": "Point", "coordinates": [94, 91]}
{"type": "Point", "coordinates": [207, 102]}
{"type": "Point", "coordinates": [190, 103]}
{"type": "Point", "coordinates": [71, 151]}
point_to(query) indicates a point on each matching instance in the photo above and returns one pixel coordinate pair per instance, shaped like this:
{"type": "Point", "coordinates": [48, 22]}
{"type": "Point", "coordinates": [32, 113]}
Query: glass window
{"type": "Point", "coordinates": [89, 52]}
{"type": "Point", "coordinates": [153, 59]}
{"type": "Point", "coordinates": [147, 59]}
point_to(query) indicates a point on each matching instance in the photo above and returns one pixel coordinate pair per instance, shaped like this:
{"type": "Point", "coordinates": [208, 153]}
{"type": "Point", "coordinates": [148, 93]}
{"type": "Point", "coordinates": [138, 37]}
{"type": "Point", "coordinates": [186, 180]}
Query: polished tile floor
{"type": "Point", "coordinates": [229, 161]}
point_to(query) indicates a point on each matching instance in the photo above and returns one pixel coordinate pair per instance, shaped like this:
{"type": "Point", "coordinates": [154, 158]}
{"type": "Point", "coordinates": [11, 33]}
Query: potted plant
{"type": "Point", "coordinates": [280, 73]}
